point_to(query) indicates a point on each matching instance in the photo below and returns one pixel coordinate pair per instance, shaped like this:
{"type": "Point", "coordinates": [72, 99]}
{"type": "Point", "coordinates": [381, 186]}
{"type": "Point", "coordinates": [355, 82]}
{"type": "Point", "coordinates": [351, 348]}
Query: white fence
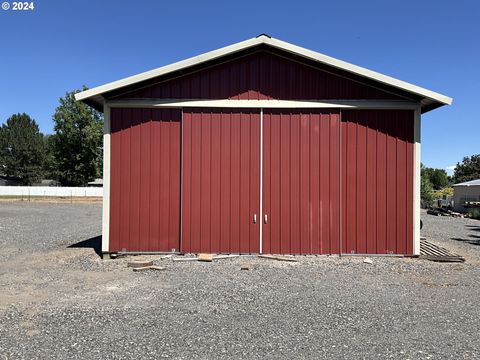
{"type": "Point", "coordinates": [26, 191]}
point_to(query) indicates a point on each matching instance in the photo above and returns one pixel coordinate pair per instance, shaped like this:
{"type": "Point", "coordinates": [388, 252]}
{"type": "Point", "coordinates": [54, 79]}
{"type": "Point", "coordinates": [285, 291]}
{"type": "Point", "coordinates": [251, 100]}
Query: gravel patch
{"type": "Point", "coordinates": [60, 302]}
{"type": "Point", "coordinates": [32, 227]}
{"type": "Point", "coordinates": [460, 235]}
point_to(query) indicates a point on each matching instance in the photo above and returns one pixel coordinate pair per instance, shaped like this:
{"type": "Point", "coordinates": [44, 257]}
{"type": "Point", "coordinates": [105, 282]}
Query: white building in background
{"type": "Point", "coordinates": [466, 192]}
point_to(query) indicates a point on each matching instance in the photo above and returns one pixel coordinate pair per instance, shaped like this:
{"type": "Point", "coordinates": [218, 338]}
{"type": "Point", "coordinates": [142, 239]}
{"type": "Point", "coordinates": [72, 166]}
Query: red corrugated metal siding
{"type": "Point", "coordinates": [301, 181]}
{"type": "Point", "coordinates": [220, 172]}
{"type": "Point", "coordinates": [377, 181]}
{"type": "Point", "coordinates": [261, 76]}
{"type": "Point", "coordinates": [145, 180]}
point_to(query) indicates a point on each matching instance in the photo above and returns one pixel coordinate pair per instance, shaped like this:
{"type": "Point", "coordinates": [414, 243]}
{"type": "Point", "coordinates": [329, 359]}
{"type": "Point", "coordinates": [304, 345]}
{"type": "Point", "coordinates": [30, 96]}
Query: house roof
{"type": "Point", "coordinates": [428, 99]}
{"type": "Point", "coordinates": [469, 183]}
{"type": "Point", "coordinates": [96, 182]}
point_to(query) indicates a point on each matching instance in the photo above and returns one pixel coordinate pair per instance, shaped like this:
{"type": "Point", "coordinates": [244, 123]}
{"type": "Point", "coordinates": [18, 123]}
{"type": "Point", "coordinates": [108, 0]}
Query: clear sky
{"type": "Point", "coordinates": [63, 44]}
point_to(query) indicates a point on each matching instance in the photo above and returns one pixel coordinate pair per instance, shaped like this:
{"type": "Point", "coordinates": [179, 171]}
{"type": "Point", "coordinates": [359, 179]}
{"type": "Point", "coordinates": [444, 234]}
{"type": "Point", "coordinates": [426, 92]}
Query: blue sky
{"type": "Point", "coordinates": [62, 45]}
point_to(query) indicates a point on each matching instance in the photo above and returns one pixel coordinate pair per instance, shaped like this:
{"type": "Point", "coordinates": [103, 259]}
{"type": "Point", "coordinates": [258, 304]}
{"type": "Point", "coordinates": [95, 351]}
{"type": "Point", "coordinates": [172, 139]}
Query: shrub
{"type": "Point", "coordinates": [474, 214]}
{"type": "Point", "coordinates": [439, 194]}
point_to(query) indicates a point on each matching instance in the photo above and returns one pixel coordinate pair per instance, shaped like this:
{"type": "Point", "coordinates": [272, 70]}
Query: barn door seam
{"type": "Point", "coordinates": [260, 222]}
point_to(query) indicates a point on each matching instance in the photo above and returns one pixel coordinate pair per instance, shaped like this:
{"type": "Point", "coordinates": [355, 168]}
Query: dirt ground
{"type": "Point", "coordinates": [59, 300]}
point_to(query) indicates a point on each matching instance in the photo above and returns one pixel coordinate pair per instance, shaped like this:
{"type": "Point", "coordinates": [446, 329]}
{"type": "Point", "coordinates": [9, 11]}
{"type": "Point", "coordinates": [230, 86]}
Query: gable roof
{"type": "Point", "coordinates": [428, 99]}
{"type": "Point", "coordinates": [469, 183]}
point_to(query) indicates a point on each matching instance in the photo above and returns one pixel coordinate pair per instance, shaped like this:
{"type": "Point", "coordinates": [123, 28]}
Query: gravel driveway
{"type": "Point", "coordinates": [62, 302]}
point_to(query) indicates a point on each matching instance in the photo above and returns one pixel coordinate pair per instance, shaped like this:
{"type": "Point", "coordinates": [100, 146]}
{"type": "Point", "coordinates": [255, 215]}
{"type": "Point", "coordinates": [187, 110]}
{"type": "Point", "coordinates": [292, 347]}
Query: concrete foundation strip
{"type": "Point", "coordinates": [206, 257]}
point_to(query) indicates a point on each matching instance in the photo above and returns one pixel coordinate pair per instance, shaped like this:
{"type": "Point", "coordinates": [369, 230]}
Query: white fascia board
{"type": "Point", "coordinates": [343, 65]}
{"type": "Point", "coordinates": [195, 60]}
{"type": "Point", "coordinates": [313, 55]}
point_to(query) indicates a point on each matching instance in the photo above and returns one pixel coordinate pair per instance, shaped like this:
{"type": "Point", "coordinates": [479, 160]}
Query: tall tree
{"type": "Point", "coordinates": [438, 177]}
{"type": "Point", "coordinates": [50, 167]}
{"type": "Point", "coordinates": [426, 189]}
{"type": "Point", "coordinates": [77, 144]}
{"type": "Point", "coordinates": [21, 149]}
{"type": "Point", "coordinates": [468, 169]}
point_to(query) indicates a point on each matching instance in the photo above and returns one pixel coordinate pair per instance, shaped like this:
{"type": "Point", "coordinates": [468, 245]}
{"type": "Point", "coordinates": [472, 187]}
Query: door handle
{"type": "Point", "coordinates": [265, 218]}
{"type": "Point", "coordinates": [254, 218]}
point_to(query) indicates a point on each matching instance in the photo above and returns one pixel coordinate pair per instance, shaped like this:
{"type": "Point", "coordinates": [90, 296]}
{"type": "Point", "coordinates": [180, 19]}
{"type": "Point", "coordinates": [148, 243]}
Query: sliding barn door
{"type": "Point", "coordinates": [145, 180]}
{"type": "Point", "coordinates": [221, 181]}
{"type": "Point", "coordinates": [301, 182]}
{"type": "Point", "coordinates": [377, 185]}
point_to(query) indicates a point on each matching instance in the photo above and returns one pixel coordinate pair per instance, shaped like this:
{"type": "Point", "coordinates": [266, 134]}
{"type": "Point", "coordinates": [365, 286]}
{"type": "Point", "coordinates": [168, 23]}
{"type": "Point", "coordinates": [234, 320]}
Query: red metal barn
{"type": "Point", "coordinates": [262, 147]}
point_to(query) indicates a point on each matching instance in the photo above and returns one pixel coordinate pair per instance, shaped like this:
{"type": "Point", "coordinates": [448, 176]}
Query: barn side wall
{"type": "Point", "coordinates": [145, 180]}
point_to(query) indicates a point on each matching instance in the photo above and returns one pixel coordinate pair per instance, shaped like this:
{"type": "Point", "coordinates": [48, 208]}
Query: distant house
{"type": "Point", "coordinates": [96, 183]}
{"type": "Point", "coordinates": [47, 182]}
{"type": "Point", "coordinates": [7, 181]}
{"type": "Point", "coordinates": [466, 192]}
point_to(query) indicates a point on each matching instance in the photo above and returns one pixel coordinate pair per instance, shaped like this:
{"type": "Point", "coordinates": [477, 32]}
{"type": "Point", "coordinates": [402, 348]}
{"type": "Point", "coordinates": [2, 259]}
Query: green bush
{"type": "Point", "coordinates": [474, 214]}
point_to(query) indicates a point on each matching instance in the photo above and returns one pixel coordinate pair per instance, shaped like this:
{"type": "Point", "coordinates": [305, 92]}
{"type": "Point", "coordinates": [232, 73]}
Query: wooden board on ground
{"type": "Point", "coordinates": [152, 267]}
{"type": "Point", "coordinates": [205, 257]}
{"type": "Point", "coordinates": [245, 266]}
{"type": "Point", "coordinates": [185, 259]}
{"type": "Point", "coordinates": [279, 258]}
{"type": "Point", "coordinates": [218, 257]}
{"type": "Point", "coordinates": [139, 263]}
{"type": "Point", "coordinates": [433, 252]}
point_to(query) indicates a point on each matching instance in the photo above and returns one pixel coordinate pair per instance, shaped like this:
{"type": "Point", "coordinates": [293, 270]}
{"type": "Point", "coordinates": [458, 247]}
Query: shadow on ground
{"type": "Point", "coordinates": [473, 227]}
{"type": "Point", "coordinates": [469, 241]}
{"type": "Point", "coordinates": [94, 243]}
{"type": "Point", "coordinates": [473, 239]}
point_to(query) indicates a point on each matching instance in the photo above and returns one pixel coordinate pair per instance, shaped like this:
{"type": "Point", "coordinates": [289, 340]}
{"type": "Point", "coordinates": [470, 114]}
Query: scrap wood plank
{"type": "Point", "coordinates": [152, 267]}
{"type": "Point", "coordinates": [205, 257]}
{"type": "Point", "coordinates": [279, 258]}
{"type": "Point", "coordinates": [217, 257]}
{"type": "Point", "coordinates": [432, 252]}
{"type": "Point", "coordinates": [185, 259]}
{"type": "Point", "coordinates": [246, 266]}
{"type": "Point", "coordinates": [139, 263]}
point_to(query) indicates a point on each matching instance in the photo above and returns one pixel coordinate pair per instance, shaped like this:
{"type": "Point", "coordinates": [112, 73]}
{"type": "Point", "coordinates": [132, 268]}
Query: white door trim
{"type": "Point", "coordinates": [106, 180]}
{"type": "Point", "coordinates": [416, 181]}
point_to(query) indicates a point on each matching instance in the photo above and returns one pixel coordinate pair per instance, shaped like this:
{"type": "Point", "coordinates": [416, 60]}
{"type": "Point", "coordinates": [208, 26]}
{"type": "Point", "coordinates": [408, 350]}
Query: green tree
{"type": "Point", "coordinates": [438, 177]}
{"type": "Point", "coordinates": [50, 168]}
{"type": "Point", "coordinates": [21, 149]}
{"type": "Point", "coordinates": [426, 188]}
{"type": "Point", "coordinates": [468, 169]}
{"type": "Point", "coordinates": [77, 144]}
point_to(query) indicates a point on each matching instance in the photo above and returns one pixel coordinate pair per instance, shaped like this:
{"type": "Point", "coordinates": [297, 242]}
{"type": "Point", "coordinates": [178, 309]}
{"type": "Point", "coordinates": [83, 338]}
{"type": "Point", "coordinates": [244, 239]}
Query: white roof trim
{"type": "Point", "coordinates": [475, 182]}
{"type": "Point", "coordinates": [276, 44]}
{"type": "Point", "coordinates": [265, 104]}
